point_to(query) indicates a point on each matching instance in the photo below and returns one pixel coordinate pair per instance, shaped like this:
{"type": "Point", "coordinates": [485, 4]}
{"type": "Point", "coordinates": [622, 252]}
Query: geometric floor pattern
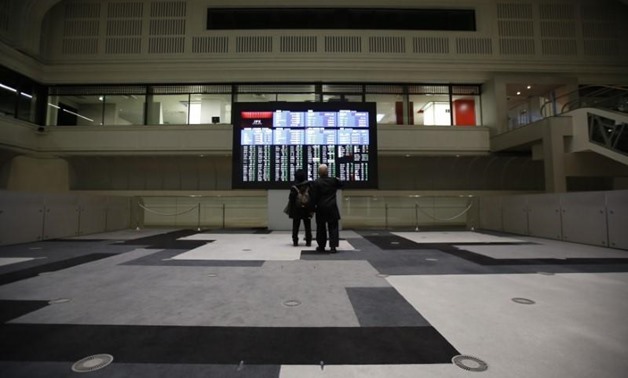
{"type": "Point", "coordinates": [246, 303]}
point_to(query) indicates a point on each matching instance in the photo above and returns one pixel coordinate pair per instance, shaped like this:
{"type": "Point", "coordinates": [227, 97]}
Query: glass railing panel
{"type": "Point", "coordinates": [608, 132]}
{"type": "Point", "coordinates": [203, 211]}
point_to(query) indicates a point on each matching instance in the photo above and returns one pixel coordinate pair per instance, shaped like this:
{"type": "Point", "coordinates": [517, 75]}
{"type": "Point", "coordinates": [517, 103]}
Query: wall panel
{"type": "Point", "coordinates": [21, 217]}
{"type": "Point", "coordinates": [93, 215]}
{"type": "Point", "coordinates": [584, 218]}
{"type": "Point", "coordinates": [491, 213]}
{"type": "Point", "coordinates": [61, 216]}
{"type": "Point", "coordinates": [28, 217]}
{"type": "Point", "coordinates": [515, 215]}
{"type": "Point", "coordinates": [617, 207]}
{"type": "Point", "coordinates": [544, 217]}
{"type": "Point", "coordinates": [118, 213]}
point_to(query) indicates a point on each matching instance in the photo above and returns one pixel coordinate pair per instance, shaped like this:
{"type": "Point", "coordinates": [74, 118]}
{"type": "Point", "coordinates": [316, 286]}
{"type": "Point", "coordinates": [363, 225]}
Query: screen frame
{"type": "Point", "coordinates": [236, 151]}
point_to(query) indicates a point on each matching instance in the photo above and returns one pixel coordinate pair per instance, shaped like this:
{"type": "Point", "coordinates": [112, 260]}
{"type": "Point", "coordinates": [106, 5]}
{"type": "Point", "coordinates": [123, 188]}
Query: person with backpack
{"type": "Point", "coordinates": [300, 207]}
{"type": "Point", "coordinates": [327, 214]}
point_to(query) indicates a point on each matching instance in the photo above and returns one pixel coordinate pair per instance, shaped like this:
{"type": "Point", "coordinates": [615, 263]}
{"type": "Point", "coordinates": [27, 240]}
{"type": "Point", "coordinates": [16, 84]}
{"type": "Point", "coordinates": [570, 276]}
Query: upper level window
{"type": "Point", "coordinates": [20, 97]}
{"type": "Point", "coordinates": [397, 104]}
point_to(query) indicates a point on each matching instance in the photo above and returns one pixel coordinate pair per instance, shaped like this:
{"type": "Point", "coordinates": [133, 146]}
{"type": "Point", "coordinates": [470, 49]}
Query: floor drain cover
{"type": "Point", "coordinates": [546, 273]}
{"type": "Point", "coordinates": [292, 303]}
{"type": "Point", "coordinates": [523, 301]}
{"type": "Point", "coordinates": [469, 363]}
{"type": "Point", "coordinates": [58, 301]}
{"type": "Point", "coordinates": [92, 363]}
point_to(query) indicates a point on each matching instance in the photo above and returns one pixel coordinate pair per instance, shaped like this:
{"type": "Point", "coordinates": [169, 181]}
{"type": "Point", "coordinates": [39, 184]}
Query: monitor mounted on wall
{"type": "Point", "coordinates": [272, 140]}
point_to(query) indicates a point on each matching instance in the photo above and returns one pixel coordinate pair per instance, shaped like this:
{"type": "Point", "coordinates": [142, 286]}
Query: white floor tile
{"type": "Point", "coordinates": [577, 327]}
{"type": "Point", "coordinates": [543, 250]}
{"type": "Point", "coordinates": [267, 247]}
{"type": "Point", "coordinates": [372, 371]}
{"type": "Point", "coordinates": [454, 237]}
{"type": "Point", "coordinates": [126, 234]}
{"type": "Point", "coordinates": [13, 260]}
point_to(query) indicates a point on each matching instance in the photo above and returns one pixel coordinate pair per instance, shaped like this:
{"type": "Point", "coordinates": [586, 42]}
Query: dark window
{"type": "Point", "coordinates": [21, 97]}
{"type": "Point", "coordinates": [341, 18]}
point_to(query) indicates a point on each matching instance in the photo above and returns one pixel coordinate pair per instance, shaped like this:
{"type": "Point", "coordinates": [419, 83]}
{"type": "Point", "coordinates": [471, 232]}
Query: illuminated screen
{"type": "Point", "coordinates": [271, 141]}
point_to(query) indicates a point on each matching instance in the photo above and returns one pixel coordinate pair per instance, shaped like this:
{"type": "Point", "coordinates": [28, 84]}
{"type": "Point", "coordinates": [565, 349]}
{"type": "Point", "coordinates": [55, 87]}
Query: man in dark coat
{"type": "Point", "coordinates": [327, 214]}
{"type": "Point", "coordinates": [299, 211]}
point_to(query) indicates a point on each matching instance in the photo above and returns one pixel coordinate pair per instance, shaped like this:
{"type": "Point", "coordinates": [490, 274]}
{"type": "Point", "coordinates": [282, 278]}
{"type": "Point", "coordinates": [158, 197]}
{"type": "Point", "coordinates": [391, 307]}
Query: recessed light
{"type": "Point", "coordinates": [518, 93]}
{"type": "Point", "coordinates": [529, 87]}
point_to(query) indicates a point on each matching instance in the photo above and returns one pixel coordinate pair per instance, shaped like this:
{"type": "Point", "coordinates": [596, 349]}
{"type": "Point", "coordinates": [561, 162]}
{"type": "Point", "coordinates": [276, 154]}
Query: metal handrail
{"type": "Point", "coordinates": [603, 89]}
{"type": "Point", "coordinates": [596, 102]}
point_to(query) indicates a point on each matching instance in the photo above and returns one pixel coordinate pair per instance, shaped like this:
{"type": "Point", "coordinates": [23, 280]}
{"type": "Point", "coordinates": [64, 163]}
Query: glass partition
{"type": "Point", "coordinates": [124, 109]}
{"type": "Point", "coordinates": [79, 110]}
{"type": "Point", "coordinates": [397, 104]}
{"type": "Point", "coordinates": [210, 108]}
{"type": "Point", "coordinates": [430, 109]}
{"type": "Point", "coordinates": [20, 96]}
{"type": "Point", "coordinates": [380, 211]}
{"type": "Point", "coordinates": [389, 108]}
{"type": "Point", "coordinates": [203, 211]}
{"type": "Point", "coordinates": [343, 98]}
{"type": "Point", "coordinates": [168, 109]}
{"type": "Point", "coordinates": [405, 211]}
{"type": "Point", "coordinates": [27, 103]}
{"type": "Point", "coordinates": [8, 97]}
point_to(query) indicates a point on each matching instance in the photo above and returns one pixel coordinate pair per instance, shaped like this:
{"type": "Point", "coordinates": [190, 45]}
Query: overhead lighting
{"type": "Point", "coordinates": [529, 87]}
{"type": "Point", "coordinates": [8, 88]}
{"type": "Point", "coordinates": [26, 95]}
{"type": "Point", "coordinates": [78, 115]}
{"type": "Point", "coordinates": [518, 93]}
{"type": "Point", "coordinates": [54, 106]}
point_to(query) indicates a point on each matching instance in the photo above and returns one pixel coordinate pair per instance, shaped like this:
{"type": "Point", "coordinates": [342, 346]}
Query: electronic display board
{"type": "Point", "coordinates": [272, 140]}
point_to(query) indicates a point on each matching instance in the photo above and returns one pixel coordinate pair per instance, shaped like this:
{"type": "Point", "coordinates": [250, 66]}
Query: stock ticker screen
{"type": "Point", "coordinates": [271, 141]}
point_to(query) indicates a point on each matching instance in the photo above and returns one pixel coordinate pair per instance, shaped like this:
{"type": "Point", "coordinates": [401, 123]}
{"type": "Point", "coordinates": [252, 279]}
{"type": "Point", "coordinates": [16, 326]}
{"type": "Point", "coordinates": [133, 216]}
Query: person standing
{"type": "Point", "coordinates": [327, 214]}
{"type": "Point", "coordinates": [300, 208]}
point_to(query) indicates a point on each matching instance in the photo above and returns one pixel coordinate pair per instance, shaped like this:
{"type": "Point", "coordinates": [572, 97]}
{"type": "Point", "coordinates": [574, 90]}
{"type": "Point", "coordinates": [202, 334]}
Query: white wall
{"type": "Point", "coordinates": [27, 217]}
{"type": "Point", "coordinates": [597, 218]}
{"type": "Point", "coordinates": [38, 174]}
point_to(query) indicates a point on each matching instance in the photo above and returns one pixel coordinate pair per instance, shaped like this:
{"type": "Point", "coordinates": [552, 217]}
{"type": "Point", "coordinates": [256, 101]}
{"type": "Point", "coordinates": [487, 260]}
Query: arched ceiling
{"type": "Point", "coordinates": [30, 16]}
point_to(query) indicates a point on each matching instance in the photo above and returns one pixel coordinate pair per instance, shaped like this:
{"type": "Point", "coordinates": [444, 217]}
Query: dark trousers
{"type": "Point", "coordinates": [322, 227]}
{"type": "Point", "coordinates": [307, 224]}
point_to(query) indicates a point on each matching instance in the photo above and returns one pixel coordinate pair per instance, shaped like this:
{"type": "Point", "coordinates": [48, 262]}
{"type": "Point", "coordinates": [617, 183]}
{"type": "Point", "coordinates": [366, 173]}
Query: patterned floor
{"type": "Point", "coordinates": [246, 303]}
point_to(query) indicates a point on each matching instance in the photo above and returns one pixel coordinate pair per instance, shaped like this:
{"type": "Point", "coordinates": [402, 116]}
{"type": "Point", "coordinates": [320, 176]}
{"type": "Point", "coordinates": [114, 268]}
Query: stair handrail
{"type": "Point", "coordinates": [602, 89]}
